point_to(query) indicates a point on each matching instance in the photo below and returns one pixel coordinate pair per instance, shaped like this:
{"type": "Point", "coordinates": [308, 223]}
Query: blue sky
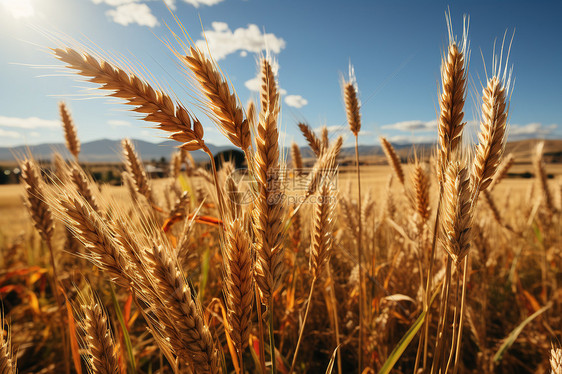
{"type": "Point", "coordinates": [394, 46]}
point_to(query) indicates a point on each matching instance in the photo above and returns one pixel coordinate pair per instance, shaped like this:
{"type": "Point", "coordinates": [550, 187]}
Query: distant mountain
{"type": "Point", "coordinates": [105, 150]}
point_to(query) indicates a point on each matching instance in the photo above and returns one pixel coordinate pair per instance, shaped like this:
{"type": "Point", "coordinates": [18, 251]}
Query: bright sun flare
{"type": "Point", "coordinates": [18, 8]}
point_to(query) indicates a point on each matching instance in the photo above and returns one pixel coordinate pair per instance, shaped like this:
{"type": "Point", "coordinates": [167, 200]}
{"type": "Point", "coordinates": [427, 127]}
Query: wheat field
{"type": "Point", "coordinates": [443, 264]}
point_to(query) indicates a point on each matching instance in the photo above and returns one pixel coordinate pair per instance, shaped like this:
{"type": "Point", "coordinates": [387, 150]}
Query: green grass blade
{"type": "Point", "coordinates": [406, 340]}
{"type": "Point", "coordinates": [126, 336]}
{"type": "Point", "coordinates": [508, 342]}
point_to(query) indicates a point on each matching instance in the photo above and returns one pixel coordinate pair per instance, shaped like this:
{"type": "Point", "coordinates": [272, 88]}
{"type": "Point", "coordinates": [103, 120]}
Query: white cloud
{"type": "Point", "coordinates": [19, 8]}
{"type": "Point", "coordinates": [334, 128]}
{"type": "Point", "coordinates": [222, 41]}
{"type": "Point", "coordinates": [253, 84]}
{"type": "Point", "coordinates": [296, 101]}
{"type": "Point", "coordinates": [197, 3]}
{"type": "Point", "coordinates": [408, 139]}
{"type": "Point", "coordinates": [115, 2]}
{"type": "Point", "coordinates": [28, 123]}
{"type": "Point", "coordinates": [531, 130]}
{"type": "Point", "coordinates": [35, 134]}
{"type": "Point", "coordinates": [116, 122]}
{"type": "Point", "coordinates": [412, 126]}
{"type": "Point", "coordinates": [9, 134]}
{"type": "Point", "coordinates": [133, 13]}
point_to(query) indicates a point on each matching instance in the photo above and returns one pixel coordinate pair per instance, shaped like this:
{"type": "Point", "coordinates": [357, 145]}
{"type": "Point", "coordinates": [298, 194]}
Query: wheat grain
{"type": "Point", "coordinates": [83, 186]}
{"type": "Point", "coordinates": [323, 227]}
{"type": "Point", "coordinates": [224, 104]}
{"type": "Point", "coordinates": [313, 142]}
{"type": "Point", "coordinates": [421, 185]}
{"type": "Point", "coordinates": [268, 215]}
{"type": "Point", "coordinates": [296, 158]}
{"type": "Point", "coordinates": [352, 106]}
{"type": "Point", "coordinates": [451, 103]}
{"type": "Point", "coordinates": [393, 159]}
{"type": "Point", "coordinates": [154, 104]}
{"type": "Point", "coordinates": [98, 340]}
{"type": "Point", "coordinates": [135, 169]}
{"type": "Point", "coordinates": [492, 135]}
{"type": "Point", "coordinates": [180, 315]}
{"type": "Point", "coordinates": [7, 361]}
{"type": "Point", "coordinates": [238, 280]}
{"type": "Point", "coordinates": [35, 200]}
{"type": "Point", "coordinates": [70, 133]}
{"type": "Point", "coordinates": [556, 360]}
{"type": "Point", "coordinates": [457, 212]}
{"type": "Point", "coordinates": [540, 171]}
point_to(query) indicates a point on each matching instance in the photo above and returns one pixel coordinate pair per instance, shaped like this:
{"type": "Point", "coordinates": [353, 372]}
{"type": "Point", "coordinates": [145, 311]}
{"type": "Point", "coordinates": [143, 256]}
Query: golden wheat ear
{"type": "Point", "coordinates": [135, 169]}
{"type": "Point", "coordinates": [296, 157]}
{"type": "Point", "coordinates": [7, 360]}
{"type": "Point", "coordinates": [225, 106]}
{"type": "Point", "coordinates": [352, 104]}
{"type": "Point", "coordinates": [313, 142]}
{"type": "Point", "coordinates": [457, 213]}
{"type": "Point", "coordinates": [35, 200]}
{"type": "Point", "coordinates": [155, 105]}
{"type": "Point", "coordinates": [556, 360]}
{"type": "Point", "coordinates": [421, 187]}
{"type": "Point", "coordinates": [540, 173]}
{"type": "Point", "coordinates": [323, 228]}
{"type": "Point", "coordinates": [269, 213]}
{"type": "Point", "coordinates": [101, 352]}
{"type": "Point", "coordinates": [393, 159]}
{"type": "Point", "coordinates": [70, 132]}
{"type": "Point", "coordinates": [84, 186]}
{"type": "Point", "coordinates": [492, 135]}
{"type": "Point", "coordinates": [454, 69]}
{"type": "Point", "coordinates": [239, 282]}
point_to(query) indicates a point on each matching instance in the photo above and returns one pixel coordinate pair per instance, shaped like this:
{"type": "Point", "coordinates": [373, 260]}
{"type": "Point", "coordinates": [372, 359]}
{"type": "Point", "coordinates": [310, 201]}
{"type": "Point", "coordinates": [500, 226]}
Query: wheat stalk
{"type": "Point", "coordinates": [352, 107]}
{"type": "Point", "coordinates": [269, 209]}
{"type": "Point", "coordinates": [70, 133]}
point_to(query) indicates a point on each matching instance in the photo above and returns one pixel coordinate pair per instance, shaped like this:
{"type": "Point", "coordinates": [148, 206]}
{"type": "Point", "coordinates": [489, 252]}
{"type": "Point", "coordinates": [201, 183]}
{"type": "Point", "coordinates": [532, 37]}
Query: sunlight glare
{"type": "Point", "coordinates": [18, 8]}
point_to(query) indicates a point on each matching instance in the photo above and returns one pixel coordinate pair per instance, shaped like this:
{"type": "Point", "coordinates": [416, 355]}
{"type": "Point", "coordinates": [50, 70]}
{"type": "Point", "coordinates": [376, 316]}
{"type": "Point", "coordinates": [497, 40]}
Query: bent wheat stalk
{"type": "Point", "coordinates": [352, 106]}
